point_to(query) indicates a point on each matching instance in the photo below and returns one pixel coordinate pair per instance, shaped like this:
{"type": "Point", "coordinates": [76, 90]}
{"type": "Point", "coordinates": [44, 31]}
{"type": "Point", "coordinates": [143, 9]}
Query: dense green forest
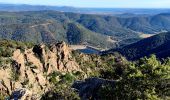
{"type": "Point", "coordinates": [52, 26]}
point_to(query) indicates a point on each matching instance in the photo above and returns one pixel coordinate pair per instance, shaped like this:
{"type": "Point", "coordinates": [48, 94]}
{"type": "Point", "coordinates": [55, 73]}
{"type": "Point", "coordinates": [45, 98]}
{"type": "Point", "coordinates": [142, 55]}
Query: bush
{"type": "Point", "coordinates": [106, 89]}
{"type": "Point", "coordinates": [14, 76]}
{"type": "Point", "coordinates": [52, 77]}
{"type": "Point", "coordinates": [62, 88]}
{"type": "Point", "coordinates": [146, 79]}
{"type": "Point", "coordinates": [68, 77]}
{"type": "Point", "coordinates": [6, 52]}
{"type": "Point", "coordinates": [63, 94]}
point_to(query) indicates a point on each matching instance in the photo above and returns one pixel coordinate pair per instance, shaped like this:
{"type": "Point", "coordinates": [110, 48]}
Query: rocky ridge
{"type": "Point", "coordinates": [27, 74]}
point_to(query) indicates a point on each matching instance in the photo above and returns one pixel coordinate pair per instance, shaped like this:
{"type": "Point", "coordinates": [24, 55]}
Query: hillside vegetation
{"type": "Point", "coordinates": [158, 45]}
{"type": "Point", "coordinates": [55, 72]}
{"type": "Point", "coordinates": [52, 26]}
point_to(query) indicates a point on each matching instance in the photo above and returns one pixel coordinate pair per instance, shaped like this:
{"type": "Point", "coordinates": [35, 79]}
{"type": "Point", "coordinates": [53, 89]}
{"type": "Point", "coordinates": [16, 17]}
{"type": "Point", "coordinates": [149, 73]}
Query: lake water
{"type": "Point", "coordinates": [89, 50]}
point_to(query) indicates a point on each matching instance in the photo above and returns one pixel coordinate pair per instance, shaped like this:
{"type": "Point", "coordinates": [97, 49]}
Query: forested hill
{"type": "Point", "coordinates": [158, 44]}
{"type": "Point", "coordinates": [95, 30]}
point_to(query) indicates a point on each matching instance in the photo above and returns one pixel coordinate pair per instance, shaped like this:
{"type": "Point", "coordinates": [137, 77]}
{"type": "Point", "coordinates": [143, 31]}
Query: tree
{"type": "Point", "coordinates": [146, 79]}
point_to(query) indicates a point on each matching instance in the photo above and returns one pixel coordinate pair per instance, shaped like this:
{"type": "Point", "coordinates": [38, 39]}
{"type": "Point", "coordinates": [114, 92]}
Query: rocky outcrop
{"type": "Point", "coordinates": [59, 58]}
{"type": "Point", "coordinates": [3, 89]}
{"type": "Point", "coordinates": [30, 69]}
{"type": "Point", "coordinates": [88, 89]}
{"type": "Point", "coordinates": [5, 81]}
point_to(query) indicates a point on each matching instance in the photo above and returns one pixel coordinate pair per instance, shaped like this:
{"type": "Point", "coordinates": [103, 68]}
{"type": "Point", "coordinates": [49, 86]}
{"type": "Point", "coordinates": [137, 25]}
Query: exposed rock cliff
{"type": "Point", "coordinates": [30, 69]}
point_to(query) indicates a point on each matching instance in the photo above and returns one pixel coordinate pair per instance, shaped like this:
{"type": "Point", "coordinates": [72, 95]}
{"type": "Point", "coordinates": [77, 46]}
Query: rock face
{"type": "Point", "coordinates": [87, 89]}
{"type": "Point", "coordinates": [30, 69]}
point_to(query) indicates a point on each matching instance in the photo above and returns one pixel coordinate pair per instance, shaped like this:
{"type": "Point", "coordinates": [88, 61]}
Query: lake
{"type": "Point", "coordinates": [89, 50]}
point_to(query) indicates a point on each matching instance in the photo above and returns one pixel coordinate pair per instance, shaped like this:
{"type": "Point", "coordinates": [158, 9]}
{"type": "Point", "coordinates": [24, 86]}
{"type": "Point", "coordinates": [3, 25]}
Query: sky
{"type": "Point", "coordinates": [97, 3]}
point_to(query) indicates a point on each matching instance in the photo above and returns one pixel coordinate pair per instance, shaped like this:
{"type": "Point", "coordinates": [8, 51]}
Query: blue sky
{"type": "Point", "coordinates": [97, 3]}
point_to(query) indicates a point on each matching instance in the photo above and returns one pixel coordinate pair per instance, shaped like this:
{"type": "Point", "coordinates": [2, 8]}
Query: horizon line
{"type": "Point", "coordinates": [86, 7]}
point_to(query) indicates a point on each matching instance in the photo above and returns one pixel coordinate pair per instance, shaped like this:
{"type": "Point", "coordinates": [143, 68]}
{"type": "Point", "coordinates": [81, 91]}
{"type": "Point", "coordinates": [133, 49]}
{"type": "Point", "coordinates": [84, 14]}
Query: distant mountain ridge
{"type": "Point", "coordinates": [158, 45]}
{"type": "Point", "coordinates": [25, 7]}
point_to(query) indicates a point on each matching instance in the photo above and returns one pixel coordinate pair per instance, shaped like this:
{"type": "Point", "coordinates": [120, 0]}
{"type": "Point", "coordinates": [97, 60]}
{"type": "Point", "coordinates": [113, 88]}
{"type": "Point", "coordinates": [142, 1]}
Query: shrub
{"type": "Point", "coordinates": [14, 76]}
{"type": "Point", "coordinates": [106, 92]}
{"type": "Point", "coordinates": [52, 77]}
{"type": "Point", "coordinates": [6, 52]}
{"type": "Point", "coordinates": [68, 77]}
{"type": "Point", "coordinates": [147, 79]}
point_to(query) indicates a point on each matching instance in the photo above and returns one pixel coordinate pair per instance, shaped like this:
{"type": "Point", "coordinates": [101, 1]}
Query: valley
{"type": "Point", "coordinates": [68, 53]}
{"type": "Point", "coordinates": [100, 31]}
